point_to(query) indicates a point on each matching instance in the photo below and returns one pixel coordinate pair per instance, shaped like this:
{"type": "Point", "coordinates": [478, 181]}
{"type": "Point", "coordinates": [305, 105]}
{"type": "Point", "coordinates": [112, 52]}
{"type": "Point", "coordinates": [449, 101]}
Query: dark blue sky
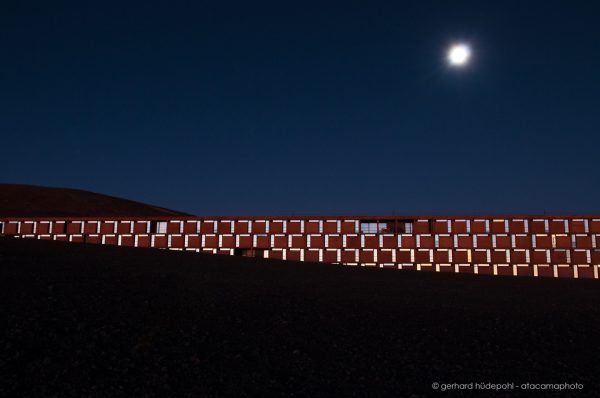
{"type": "Point", "coordinates": [255, 108]}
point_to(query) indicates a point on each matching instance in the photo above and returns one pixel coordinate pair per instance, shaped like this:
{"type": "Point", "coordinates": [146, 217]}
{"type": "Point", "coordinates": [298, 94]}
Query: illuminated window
{"type": "Point", "coordinates": [372, 227]}
{"type": "Point", "coordinates": [158, 227]}
{"type": "Point", "coordinates": [392, 226]}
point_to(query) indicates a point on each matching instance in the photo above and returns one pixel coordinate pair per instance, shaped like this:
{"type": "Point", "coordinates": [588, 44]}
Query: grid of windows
{"type": "Point", "coordinates": [558, 247]}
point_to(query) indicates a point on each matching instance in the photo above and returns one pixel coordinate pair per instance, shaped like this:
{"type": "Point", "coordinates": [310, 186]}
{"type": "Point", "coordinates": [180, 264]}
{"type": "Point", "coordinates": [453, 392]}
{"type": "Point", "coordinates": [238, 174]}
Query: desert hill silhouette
{"type": "Point", "coordinates": [17, 200]}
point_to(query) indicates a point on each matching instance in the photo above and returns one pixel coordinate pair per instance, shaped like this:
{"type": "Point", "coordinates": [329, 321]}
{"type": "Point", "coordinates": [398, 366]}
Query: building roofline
{"type": "Point", "coordinates": [309, 217]}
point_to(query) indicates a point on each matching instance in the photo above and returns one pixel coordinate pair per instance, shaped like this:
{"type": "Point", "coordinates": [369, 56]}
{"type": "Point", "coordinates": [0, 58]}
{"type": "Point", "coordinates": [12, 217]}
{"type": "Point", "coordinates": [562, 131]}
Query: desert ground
{"type": "Point", "coordinates": [83, 320]}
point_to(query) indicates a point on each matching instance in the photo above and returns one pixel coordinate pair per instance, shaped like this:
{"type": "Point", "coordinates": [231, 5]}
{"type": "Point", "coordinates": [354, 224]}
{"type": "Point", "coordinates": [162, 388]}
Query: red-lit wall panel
{"type": "Point", "coordinates": [349, 256]}
{"type": "Point", "coordinates": [177, 241]}
{"type": "Point", "coordinates": [195, 241]}
{"type": "Point", "coordinates": [128, 240]}
{"type": "Point", "coordinates": [211, 241]}
{"type": "Point", "coordinates": [484, 242]}
{"type": "Point", "coordinates": [465, 241]}
{"type": "Point", "coordinates": [280, 241]}
{"type": "Point", "coordinates": [263, 242]}
{"type": "Point", "coordinates": [390, 241]}
{"type": "Point", "coordinates": [73, 227]}
{"type": "Point", "coordinates": [408, 241]}
{"type": "Point", "coordinates": [445, 242]}
{"type": "Point", "coordinates": [537, 227]}
{"type": "Point", "coordinates": [294, 227]}
{"type": "Point", "coordinates": [426, 242]}
{"type": "Point", "coordinates": [299, 241]}
{"type": "Point", "coordinates": [124, 228]}
{"type": "Point", "coordinates": [583, 242]}
{"type": "Point", "coordinates": [334, 241]}
{"type": "Point", "coordinates": [460, 256]}
{"type": "Point", "coordinates": [43, 228]}
{"type": "Point", "coordinates": [503, 242]}
{"type": "Point", "coordinates": [207, 227]}
{"type": "Point", "coordinates": [27, 228]}
{"type": "Point", "coordinates": [371, 241]}
{"type": "Point", "coordinates": [404, 256]}
{"type": "Point", "coordinates": [498, 227]}
{"type": "Point", "coordinates": [294, 255]}
{"type": "Point", "coordinates": [145, 240]}
{"type": "Point", "coordinates": [353, 241]}
{"type": "Point", "coordinates": [276, 227]}
{"type": "Point", "coordinates": [317, 241]}
{"type": "Point", "coordinates": [577, 226]}
{"type": "Point", "coordinates": [478, 227]}
{"type": "Point", "coordinates": [140, 228]}
{"type": "Point", "coordinates": [311, 227]}
{"type": "Point", "coordinates": [311, 255]}
{"type": "Point", "coordinates": [459, 226]}
{"type": "Point", "coordinates": [330, 256]}
{"type": "Point", "coordinates": [517, 226]}
{"type": "Point", "coordinates": [385, 256]}
{"type": "Point", "coordinates": [190, 227]}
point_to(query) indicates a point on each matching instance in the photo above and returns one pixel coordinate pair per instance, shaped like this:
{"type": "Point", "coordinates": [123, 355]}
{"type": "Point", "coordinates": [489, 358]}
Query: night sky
{"type": "Point", "coordinates": [288, 108]}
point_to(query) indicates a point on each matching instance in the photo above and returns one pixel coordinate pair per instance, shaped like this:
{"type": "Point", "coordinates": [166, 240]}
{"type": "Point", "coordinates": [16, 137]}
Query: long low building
{"type": "Point", "coordinates": [548, 246]}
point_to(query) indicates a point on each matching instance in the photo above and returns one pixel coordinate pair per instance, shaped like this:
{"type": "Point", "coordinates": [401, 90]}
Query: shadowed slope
{"type": "Point", "coordinates": [34, 201]}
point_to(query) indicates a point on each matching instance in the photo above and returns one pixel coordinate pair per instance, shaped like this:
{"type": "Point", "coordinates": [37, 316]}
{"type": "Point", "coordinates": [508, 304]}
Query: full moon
{"type": "Point", "coordinates": [459, 54]}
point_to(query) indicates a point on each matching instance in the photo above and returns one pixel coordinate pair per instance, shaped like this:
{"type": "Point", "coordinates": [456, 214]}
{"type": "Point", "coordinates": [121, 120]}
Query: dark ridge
{"type": "Point", "coordinates": [35, 201]}
{"type": "Point", "coordinates": [82, 320]}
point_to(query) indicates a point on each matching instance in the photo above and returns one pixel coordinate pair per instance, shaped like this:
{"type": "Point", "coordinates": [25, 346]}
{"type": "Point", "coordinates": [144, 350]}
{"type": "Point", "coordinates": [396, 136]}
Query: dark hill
{"type": "Point", "coordinates": [35, 201]}
{"type": "Point", "coordinates": [104, 321]}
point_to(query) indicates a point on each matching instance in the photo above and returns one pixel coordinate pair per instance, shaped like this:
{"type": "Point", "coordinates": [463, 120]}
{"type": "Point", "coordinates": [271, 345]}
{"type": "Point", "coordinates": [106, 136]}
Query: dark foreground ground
{"type": "Point", "coordinates": [107, 321]}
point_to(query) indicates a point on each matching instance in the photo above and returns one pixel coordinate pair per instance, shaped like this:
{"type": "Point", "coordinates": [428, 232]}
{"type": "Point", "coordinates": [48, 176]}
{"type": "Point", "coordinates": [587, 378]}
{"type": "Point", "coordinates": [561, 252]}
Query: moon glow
{"type": "Point", "coordinates": [459, 55]}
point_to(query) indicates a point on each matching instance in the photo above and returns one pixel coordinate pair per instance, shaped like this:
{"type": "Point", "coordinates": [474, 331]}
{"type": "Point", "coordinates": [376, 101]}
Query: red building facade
{"type": "Point", "coordinates": [548, 246]}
